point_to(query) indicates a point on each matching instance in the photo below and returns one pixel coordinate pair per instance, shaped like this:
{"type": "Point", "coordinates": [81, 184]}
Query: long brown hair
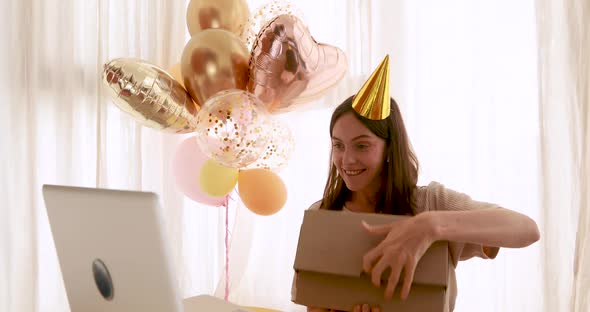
{"type": "Point", "coordinates": [400, 170]}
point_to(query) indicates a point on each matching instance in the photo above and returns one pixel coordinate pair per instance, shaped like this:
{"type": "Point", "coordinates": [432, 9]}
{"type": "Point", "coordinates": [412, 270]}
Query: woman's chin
{"type": "Point", "coordinates": [354, 187]}
{"type": "Point", "coordinates": [357, 184]}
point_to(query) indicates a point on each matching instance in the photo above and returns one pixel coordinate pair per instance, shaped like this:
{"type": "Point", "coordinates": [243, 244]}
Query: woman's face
{"type": "Point", "coordinates": [357, 153]}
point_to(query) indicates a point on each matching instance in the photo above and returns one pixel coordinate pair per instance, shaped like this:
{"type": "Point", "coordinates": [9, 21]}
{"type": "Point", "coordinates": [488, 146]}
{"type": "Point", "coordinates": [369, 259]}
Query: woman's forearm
{"type": "Point", "coordinates": [497, 227]}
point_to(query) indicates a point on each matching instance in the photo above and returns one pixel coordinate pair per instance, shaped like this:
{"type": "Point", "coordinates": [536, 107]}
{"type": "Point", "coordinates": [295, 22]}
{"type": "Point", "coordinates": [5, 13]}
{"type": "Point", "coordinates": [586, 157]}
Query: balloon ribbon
{"type": "Point", "coordinates": [226, 205]}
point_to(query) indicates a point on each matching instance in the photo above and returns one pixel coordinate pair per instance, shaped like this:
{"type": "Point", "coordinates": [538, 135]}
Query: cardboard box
{"type": "Point", "coordinates": [329, 273]}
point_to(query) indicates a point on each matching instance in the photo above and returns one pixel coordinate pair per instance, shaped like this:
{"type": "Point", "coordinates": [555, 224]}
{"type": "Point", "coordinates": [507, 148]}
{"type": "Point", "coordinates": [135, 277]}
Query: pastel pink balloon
{"type": "Point", "coordinates": [186, 169]}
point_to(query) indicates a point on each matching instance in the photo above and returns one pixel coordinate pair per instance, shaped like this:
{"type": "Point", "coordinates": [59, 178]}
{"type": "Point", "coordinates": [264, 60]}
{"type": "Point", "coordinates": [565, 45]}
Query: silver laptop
{"type": "Point", "coordinates": [114, 254]}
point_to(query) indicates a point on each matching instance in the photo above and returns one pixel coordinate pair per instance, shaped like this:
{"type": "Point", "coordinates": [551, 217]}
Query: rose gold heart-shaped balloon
{"type": "Point", "coordinates": [288, 67]}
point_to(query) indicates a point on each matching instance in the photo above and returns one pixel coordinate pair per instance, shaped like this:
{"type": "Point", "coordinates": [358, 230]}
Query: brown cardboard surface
{"type": "Point", "coordinates": [329, 266]}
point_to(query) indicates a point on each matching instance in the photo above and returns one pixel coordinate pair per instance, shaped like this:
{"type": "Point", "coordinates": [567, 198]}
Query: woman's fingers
{"type": "Point", "coordinates": [371, 257]}
{"type": "Point", "coordinates": [378, 270]}
{"type": "Point", "coordinates": [365, 308]}
{"type": "Point", "coordinates": [377, 229]}
{"type": "Point", "coordinates": [409, 269]}
{"type": "Point", "coordinates": [392, 281]}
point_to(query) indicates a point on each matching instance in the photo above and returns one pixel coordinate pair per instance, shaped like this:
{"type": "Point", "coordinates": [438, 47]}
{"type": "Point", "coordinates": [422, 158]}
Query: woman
{"type": "Point", "coordinates": [375, 170]}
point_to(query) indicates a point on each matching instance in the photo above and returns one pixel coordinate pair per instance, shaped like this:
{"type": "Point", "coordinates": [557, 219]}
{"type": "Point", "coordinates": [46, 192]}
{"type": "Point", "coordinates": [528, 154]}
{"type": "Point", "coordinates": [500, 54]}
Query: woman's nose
{"type": "Point", "coordinates": [348, 157]}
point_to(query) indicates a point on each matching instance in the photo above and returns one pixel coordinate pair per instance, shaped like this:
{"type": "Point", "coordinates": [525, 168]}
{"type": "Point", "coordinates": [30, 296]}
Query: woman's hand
{"type": "Point", "coordinates": [365, 308]}
{"type": "Point", "coordinates": [311, 309]}
{"type": "Point", "coordinates": [405, 243]}
{"type": "Point", "coordinates": [357, 308]}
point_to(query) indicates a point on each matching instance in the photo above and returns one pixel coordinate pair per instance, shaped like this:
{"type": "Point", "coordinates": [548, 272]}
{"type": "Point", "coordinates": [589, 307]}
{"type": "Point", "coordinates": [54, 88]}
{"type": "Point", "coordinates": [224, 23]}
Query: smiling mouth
{"type": "Point", "coordinates": [352, 173]}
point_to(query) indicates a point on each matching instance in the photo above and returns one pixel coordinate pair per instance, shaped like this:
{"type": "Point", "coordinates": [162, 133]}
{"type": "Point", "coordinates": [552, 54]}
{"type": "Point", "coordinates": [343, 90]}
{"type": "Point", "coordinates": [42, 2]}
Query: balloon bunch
{"type": "Point", "coordinates": [237, 71]}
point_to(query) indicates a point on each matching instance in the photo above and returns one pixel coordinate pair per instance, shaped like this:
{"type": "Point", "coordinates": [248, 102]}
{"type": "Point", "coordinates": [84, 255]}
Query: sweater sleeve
{"type": "Point", "coordinates": [315, 206]}
{"type": "Point", "coordinates": [435, 197]}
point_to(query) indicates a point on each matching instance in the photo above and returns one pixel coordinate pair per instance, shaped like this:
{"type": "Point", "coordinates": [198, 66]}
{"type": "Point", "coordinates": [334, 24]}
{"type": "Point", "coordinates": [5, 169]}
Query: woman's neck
{"type": "Point", "coordinates": [362, 201]}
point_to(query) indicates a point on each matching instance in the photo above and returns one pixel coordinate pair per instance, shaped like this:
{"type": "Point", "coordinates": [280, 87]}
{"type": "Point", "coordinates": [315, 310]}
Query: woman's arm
{"type": "Point", "coordinates": [407, 240]}
{"type": "Point", "coordinates": [496, 227]}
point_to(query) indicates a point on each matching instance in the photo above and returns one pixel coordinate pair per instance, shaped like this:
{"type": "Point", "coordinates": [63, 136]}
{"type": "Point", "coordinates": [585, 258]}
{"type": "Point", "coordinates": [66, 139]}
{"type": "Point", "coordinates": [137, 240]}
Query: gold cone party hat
{"type": "Point", "coordinates": [372, 100]}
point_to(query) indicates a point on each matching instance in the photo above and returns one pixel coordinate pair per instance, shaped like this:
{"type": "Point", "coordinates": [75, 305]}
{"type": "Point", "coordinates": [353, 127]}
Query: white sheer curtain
{"type": "Point", "coordinates": [466, 75]}
{"type": "Point", "coordinates": [564, 79]}
{"type": "Point", "coordinates": [58, 127]}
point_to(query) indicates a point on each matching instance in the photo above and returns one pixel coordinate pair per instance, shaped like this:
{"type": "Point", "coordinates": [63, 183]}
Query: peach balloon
{"type": "Point", "coordinates": [262, 191]}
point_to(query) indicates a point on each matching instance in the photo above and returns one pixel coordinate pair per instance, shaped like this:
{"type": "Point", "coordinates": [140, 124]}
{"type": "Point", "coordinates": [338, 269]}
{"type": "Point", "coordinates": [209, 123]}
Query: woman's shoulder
{"type": "Point", "coordinates": [432, 187]}
{"type": "Point", "coordinates": [316, 205]}
{"type": "Point", "coordinates": [428, 197]}
{"type": "Point", "coordinates": [436, 196]}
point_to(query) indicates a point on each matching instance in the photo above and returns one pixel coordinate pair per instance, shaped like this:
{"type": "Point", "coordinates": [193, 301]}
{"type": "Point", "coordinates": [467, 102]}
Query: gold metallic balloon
{"type": "Point", "coordinates": [230, 128]}
{"type": "Point", "coordinates": [372, 101]}
{"type": "Point", "coordinates": [150, 95]}
{"type": "Point", "coordinates": [214, 60]}
{"type": "Point", "coordinates": [288, 67]}
{"type": "Point", "coordinates": [264, 14]}
{"type": "Point", "coordinates": [175, 72]}
{"type": "Point", "coordinates": [230, 15]}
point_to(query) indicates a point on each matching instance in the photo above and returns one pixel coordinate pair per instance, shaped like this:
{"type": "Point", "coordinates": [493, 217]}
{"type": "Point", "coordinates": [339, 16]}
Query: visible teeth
{"type": "Point", "coordinates": [352, 172]}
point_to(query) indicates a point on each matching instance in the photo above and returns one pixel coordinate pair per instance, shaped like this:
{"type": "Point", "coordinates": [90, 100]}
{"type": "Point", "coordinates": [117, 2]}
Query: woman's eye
{"type": "Point", "coordinates": [362, 146]}
{"type": "Point", "coordinates": [338, 145]}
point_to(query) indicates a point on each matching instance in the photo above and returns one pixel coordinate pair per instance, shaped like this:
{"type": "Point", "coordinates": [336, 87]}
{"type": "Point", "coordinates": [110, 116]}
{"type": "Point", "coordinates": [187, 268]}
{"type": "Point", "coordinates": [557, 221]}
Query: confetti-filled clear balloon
{"type": "Point", "coordinates": [230, 128]}
{"type": "Point", "coordinates": [264, 14]}
{"type": "Point", "coordinates": [279, 148]}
